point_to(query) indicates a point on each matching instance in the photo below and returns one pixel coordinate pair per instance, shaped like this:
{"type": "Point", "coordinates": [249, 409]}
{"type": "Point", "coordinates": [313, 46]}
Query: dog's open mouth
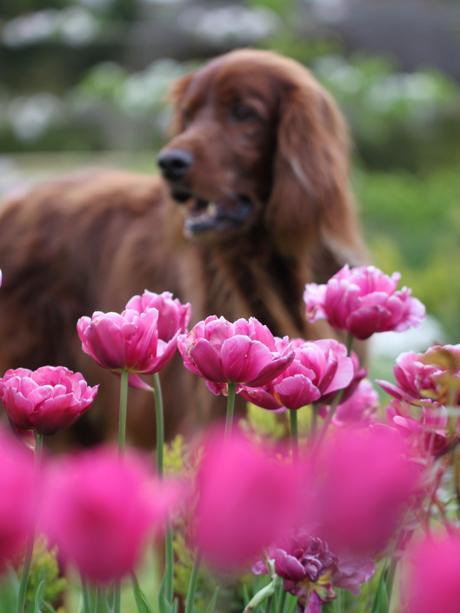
{"type": "Point", "coordinates": [204, 216]}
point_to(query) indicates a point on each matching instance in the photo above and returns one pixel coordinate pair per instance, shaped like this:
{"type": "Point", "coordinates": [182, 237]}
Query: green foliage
{"type": "Point", "coordinates": [45, 570]}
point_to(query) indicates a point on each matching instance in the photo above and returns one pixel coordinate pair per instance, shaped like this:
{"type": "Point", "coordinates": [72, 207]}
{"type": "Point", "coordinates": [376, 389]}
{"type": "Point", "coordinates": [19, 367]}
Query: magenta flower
{"type": "Point", "coordinates": [427, 379]}
{"type": "Point", "coordinates": [248, 499]}
{"type": "Point", "coordinates": [360, 484]}
{"type": "Point", "coordinates": [360, 407]}
{"type": "Point", "coordinates": [173, 316]}
{"type": "Point", "coordinates": [363, 301]}
{"type": "Point", "coordinates": [46, 399]}
{"type": "Point", "coordinates": [18, 501]}
{"type": "Point", "coordinates": [100, 509]}
{"type": "Point", "coordinates": [319, 369]}
{"type": "Point", "coordinates": [424, 427]}
{"type": "Point", "coordinates": [433, 580]}
{"type": "Point", "coordinates": [128, 340]}
{"type": "Point", "coordinates": [241, 352]}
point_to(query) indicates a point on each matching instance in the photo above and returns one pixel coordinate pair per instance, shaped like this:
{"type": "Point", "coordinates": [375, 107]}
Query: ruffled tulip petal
{"type": "Point", "coordinates": [207, 361]}
{"type": "Point", "coordinates": [297, 391]}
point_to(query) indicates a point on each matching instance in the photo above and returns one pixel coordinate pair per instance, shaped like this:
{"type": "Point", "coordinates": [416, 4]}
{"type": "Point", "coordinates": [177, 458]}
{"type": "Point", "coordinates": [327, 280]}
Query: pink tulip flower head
{"type": "Point", "coordinates": [173, 316]}
{"type": "Point", "coordinates": [129, 340]}
{"type": "Point", "coordinates": [360, 485]}
{"type": "Point", "coordinates": [241, 352]}
{"type": "Point", "coordinates": [100, 510]}
{"type": "Point", "coordinates": [18, 499]}
{"type": "Point", "coordinates": [363, 301]}
{"type": "Point", "coordinates": [248, 499]}
{"type": "Point", "coordinates": [427, 379]}
{"type": "Point", "coordinates": [319, 368]}
{"type": "Point", "coordinates": [46, 399]}
{"type": "Point", "coordinates": [433, 576]}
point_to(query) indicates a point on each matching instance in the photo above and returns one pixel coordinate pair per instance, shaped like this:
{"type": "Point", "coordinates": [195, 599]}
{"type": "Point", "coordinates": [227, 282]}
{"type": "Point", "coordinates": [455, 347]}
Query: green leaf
{"type": "Point", "coordinates": [141, 599]}
{"type": "Point", "coordinates": [38, 600]}
{"type": "Point", "coordinates": [211, 607]}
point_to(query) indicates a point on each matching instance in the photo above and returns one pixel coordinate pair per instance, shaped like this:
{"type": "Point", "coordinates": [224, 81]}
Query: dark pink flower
{"type": "Point", "coordinates": [319, 369]}
{"type": "Point", "coordinates": [311, 571]}
{"type": "Point", "coordinates": [248, 499]}
{"type": "Point", "coordinates": [18, 501]}
{"type": "Point", "coordinates": [173, 316]}
{"type": "Point", "coordinates": [360, 483]}
{"type": "Point", "coordinates": [128, 340]}
{"type": "Point", "coordinates": [241, 352]}
{"type": "Point", "coordinates": [363, 301]}
{"type": "Point", "coordinates": [100, 510]}
{"type": "Point", "coordinates": [46, 399]}
{"type": "Point", "coordinates": [427, 379]}
{"type": "Point", "coordinates": [433, 580]}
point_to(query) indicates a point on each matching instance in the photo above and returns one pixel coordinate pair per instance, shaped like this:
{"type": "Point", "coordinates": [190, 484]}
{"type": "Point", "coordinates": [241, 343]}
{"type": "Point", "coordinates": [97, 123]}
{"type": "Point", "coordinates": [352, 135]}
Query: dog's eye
{"type": "Point", "coordinates": [243, 112]}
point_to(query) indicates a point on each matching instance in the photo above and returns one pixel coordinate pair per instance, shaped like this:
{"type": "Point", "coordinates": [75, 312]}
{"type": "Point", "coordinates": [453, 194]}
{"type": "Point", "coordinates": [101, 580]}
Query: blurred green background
{"type": "Point", "coordinates": [83, 82]}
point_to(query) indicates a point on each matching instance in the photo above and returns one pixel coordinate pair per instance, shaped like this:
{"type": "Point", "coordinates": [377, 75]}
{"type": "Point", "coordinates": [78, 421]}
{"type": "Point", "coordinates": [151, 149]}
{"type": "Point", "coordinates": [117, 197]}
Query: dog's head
{"type": "Point", "coordinates": [258, 142]}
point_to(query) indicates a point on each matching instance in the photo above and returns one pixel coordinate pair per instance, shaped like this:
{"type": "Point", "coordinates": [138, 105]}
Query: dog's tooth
{"type": "Point", "coordinates": [212, 209]}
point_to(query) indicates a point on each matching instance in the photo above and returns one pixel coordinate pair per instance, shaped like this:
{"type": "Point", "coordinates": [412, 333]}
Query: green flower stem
{"type": "Point", "coordinates": [169, 565]}
{"type": "Point", "coordinates": [86, 597]}
{"type": "Point", "coordinates": [190, 598]}
{"type": "Point", "coordinates": [266, 592]}
{"type": "Point", "coordinates": [160, 428]}
{"type": "Point", "coordinates": [294, 432]}
{"type": "Point", "coordinates": [230, 408]}
{"type": "Point", "coordinates": [116, 598]}
{"type": "Point", "coordinates": [30, 542]}
{"type": "Point", "coordinates": [123, 410]}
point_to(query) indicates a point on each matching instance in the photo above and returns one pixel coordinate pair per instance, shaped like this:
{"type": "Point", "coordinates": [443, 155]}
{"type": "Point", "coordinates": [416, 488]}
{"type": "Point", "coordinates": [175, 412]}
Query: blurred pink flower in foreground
{"type": "Point", "coordinates": [127, 340]}
{"type": "Point", "coordinates": [18, 501]}
{"type": "Point", "coordinates": [241, 352]}
{"type": "Point", "coordinates": [427, 379]}
{"type": "Point", "coordinates": [173, 316]}
{"type": "Point", "coordinates": [46, 399]}
{"type": "Point", "coordinates": [100, 510]}
{"type": "Point", "coordinates": [359, 486]}
{"type": "Point", "coordinates": [363, 300]}
{"type": "Point", "coordinates": [433, 580]}
{"type": "Point", "coordinates": [319, 368]}
{"type": "Point", "coordinates": [248, 499]}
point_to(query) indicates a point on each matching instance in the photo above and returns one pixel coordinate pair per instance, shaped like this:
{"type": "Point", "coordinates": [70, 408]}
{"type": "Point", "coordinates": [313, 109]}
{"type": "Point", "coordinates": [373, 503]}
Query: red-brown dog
{"type": "Point", "coordinates": [254, 203]}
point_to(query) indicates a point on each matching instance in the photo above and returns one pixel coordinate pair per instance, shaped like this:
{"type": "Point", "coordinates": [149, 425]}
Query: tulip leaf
{"type": "Point", "coordinates": [212, 604]}
{"type": "Point", "coordinates": [141, 599]}
{"type": "Point", "coordinates": [38, 600]}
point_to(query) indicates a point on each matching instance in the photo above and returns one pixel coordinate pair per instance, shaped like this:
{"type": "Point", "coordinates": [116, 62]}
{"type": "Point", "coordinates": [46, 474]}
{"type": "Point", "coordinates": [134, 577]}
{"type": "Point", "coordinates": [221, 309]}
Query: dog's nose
{"type": "Point", "coordinates": [174, 163]}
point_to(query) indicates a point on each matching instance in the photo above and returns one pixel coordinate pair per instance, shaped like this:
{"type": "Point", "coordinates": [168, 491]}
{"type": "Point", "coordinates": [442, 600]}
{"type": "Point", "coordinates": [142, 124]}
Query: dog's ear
{"type": "Point", "coordinates": [311, 205]}
{"type": "Point", "coordinates": [175, 97]}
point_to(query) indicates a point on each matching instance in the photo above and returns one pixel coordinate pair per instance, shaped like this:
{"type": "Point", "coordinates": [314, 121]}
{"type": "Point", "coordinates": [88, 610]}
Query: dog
{"type": "Point", "coordinates": [253, 202]}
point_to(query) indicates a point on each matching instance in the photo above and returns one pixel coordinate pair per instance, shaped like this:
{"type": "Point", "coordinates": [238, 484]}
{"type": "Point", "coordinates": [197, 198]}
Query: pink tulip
{"type": "Point", "coordinates": [424, 427]}
{"type": "Point", "coordinates": [248, 499]}
{"type": "Point", "coordinates": [360, 407]}
{"type": "Point", "coordinates": [363, 301]}
{"type": "Point", "coordinates": [128, 340]}
{"type": "Point", "coordinates": [359, 486]}
{"type": "Point", "coordinates": [427, 379]}
{"type": "Point", "coordinates": [18, 500]}
{"type": "Point", "coordinates": [319, 369]}
{"type": "Point", "coordinates": [239, 352]}
{"type": "Point", "coordinates": [173, 316]}
{"type": "Point", "coordinates": [47, 399]}
{"type": "Point", "coordinates": [100, 510]}
{"type": "Point", "coordinates": [433, 579]}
